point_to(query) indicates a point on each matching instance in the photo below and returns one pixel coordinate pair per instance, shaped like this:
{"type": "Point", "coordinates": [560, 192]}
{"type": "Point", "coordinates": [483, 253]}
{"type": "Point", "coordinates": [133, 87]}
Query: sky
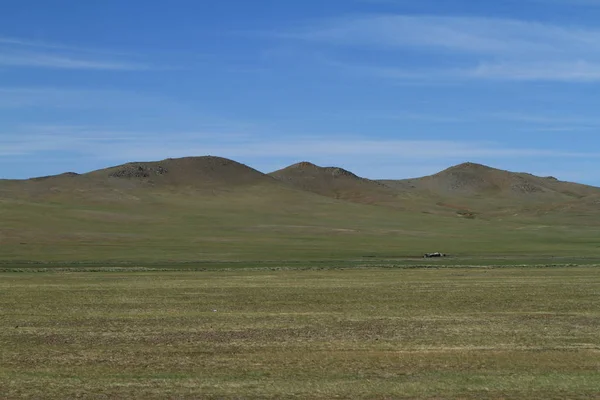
{"type": "Point", "coordinates": [387, 89]}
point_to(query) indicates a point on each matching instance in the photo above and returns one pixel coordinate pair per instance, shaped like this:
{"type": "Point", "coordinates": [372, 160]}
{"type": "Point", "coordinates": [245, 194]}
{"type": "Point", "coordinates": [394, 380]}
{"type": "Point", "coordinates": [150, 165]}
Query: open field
{"type": "Point", "coordinates": [262, 224]}
{"type": "Point", "coordinates": [202, 278]}
{"type": "Point", "coordinates": [472, 333]}
{"type": "Point", "coordinates": [209, 209]}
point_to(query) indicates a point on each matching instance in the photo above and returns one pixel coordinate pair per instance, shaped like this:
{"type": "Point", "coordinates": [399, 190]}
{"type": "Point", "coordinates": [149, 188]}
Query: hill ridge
{"type": "Point", "coordinates": [156, 167]}
{"type": "Point", "coordinates": [467, 186]}
{"type": "Point", "coordinates": [477, 181]}
{"type": "Point", "coordinates": [200, 170]}
{"type": "Point", "coordinates": [335, 182]}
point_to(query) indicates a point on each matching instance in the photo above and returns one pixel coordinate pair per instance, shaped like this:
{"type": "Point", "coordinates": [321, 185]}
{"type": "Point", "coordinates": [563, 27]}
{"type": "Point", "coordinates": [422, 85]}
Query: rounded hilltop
{"type": "Point", "coordinates": [303, 165]}
{"type": "Point", "coordinates": [473, 179]}
{"type": "Point", "coordinates": [189, 171]}
{"type": "Point", "coordinates": [334, 182]}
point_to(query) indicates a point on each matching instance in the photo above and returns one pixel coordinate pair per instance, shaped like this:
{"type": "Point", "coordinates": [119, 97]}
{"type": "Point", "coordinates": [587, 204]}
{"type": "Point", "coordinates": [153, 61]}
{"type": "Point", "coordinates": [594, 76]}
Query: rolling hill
{"type": "Point", "coordinates": [467, 189]}
{"type": "Point", "coordinates": [337, 183]}
{"type": "Point", "coordinates": [196, 172]}
{"type": "Point", "coordinates": [483, 189]}
{"type": "Point", "coordinates": [470, 179]}
{"type": "Point", "coordinates": [129, 181]}
{"type": "Point", "coordinates": [214, 209]}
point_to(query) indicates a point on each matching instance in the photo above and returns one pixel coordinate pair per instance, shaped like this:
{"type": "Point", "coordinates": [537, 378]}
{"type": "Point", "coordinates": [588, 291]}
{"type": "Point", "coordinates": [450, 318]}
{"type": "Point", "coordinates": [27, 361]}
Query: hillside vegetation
{"type": "Point", "coordinates": [214, 209]}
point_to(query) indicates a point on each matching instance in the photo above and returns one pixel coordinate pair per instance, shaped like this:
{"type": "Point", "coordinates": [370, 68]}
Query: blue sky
{"type": "Point", "coordinates": [384, 88]}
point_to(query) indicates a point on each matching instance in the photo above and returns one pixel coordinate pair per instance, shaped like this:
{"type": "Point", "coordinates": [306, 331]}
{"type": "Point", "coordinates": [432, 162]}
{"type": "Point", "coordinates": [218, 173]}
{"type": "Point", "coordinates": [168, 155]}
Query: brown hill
{"type": "Point", "coordinates": [337, 183]}
{"type": "Point", "coordinates": [471, 186]}
{"type": "Point", "coordinates": [189, 171]}
{"type": "Point", "coordinates": [209, 209]}
{"type": "Point", "coordinates": [125, 181]}
{"type": "Point", "coordinates": [467, 189]}
{"type": "Point", "coordinates": [470, 179]}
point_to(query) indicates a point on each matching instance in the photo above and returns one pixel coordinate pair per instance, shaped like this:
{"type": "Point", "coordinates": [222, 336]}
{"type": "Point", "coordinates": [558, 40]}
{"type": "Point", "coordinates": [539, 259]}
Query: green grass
{"type": "Point", "coordinates": [468, 333]}
{"type": "Point", "coordinates": [264, 223]}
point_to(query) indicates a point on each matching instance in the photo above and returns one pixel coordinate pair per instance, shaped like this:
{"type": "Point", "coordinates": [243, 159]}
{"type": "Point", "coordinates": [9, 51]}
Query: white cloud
{"type": "Point", "coordinates": [100, 99]}
{"type": "Point", "coordinates": [465, 34]}
{"type": "Point", "coordinates": [108, 144]}
{"type": "Point", "coordinates": [570, 2]}
{"type": "Point", "coordinates": [44, 60]}
{"type": "Point", "coordinates": [558, 2]}
{"type": "Point", "coordinates": [542, 119]}
{"type": "Point", "coordinates": [128, 145]}
{"type": "Point", "coordinates": [484, 48]}
{"type": "Point", "coordinates": [16, 52]}
{"type": "Point", "coordinates": [571, 71]}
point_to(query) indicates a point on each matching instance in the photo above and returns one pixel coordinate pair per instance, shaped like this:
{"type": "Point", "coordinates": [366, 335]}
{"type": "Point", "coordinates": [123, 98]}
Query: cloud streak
{"type": "Point", "coordinates": [483, 48]}
{"type": "Point", "coordinates": [592, 3]}
{"type": "Point", "coordinates": [53, 98]}
{"type": "Point", "coordinates": [113, 145]}
{"type": "Point", "coordinates": [42, 60]}
{"type": "Point", "coordinates": [21, 53]}
{"type": "Point", "coordinates": [570, 3]}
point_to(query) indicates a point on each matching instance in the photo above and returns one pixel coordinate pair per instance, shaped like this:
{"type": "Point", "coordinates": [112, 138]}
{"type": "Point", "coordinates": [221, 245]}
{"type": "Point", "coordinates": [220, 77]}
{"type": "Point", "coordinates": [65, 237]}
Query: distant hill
{"type": "Point", "coordinates": [472, 189]}
{"type": "Point", "coordinates": [191, 171]}
{"type": "Point", "coordinates": [467, 189]}
{"type": "Point", "coordinates": [470, 179]}
{"type": "Point", "coordinates": [336, 183]}
{"type": "Point", "coordinates": [123, 181]}
{"type": "Point", "coordinates": [211, 208]}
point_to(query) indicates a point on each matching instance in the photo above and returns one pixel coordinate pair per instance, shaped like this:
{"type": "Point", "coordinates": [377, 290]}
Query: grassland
{"type": "Point", "coordinates": [268, 224]}
{"type": "Point", "coordinates": [209, 209]}
{"type": "Point", "coordinates": [469, 333]}
{"type": "Point", "coordinates": [216, 281]}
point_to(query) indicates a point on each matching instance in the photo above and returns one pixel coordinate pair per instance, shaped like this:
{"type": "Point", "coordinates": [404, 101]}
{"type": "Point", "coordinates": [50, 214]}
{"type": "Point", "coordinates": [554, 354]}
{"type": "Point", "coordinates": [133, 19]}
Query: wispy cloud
{"type": "Point", "coordinates": [544, 119]}
{"type": "Point", "coordinates": [569, 2]}
{"type": "Point", "coordinates": [483, 48]}
{"type": "Point", "coordinates": [99, 99]}
{"type": "Point", "coordinates": [558, 2]}
{"type": "Point", "coordinates": [567, 71]}
{"type": "Point", "coordinates": [41, 60]}
{"type": "Point", "coordinates": [23, 53]}
{"type": "Point", "coordinates": [557, 121]}
{"type": "Point", "coordinates": [110, 144]}
{"type": "Point", "coordinates": [114, 144]}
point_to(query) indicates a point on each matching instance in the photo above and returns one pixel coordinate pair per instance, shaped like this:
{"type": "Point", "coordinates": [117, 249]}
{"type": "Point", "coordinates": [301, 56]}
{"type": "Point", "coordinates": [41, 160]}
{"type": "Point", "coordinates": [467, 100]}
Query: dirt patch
{"type": "Point", "coordinates": [138, 171]}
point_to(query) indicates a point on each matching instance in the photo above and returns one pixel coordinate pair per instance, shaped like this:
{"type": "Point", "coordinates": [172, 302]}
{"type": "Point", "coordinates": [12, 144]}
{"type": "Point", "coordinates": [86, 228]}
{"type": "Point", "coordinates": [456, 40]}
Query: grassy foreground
{"type": "Point", "coordinates": [512, 333]}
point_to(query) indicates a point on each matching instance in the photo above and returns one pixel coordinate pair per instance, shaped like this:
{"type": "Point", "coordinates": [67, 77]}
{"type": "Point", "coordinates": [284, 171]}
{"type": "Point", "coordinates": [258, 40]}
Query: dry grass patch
{"type": "Point", "coordinates": [472, 333]}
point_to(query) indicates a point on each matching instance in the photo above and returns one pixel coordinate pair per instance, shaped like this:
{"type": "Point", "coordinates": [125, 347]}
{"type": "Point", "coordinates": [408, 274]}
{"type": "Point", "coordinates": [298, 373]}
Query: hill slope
{"type": "Point", "coordinates": [192, 174]}
{"type": "Point", "coordinates": [471, 186]}
{"type": "Point", "coordinates": [191, 171]}
{"type": "Point", "coordinates": [471, 179]}
{"type": "Point", "coordinates": [206, 209]}
{"type": "Point", "coordinates": [337, 183]}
